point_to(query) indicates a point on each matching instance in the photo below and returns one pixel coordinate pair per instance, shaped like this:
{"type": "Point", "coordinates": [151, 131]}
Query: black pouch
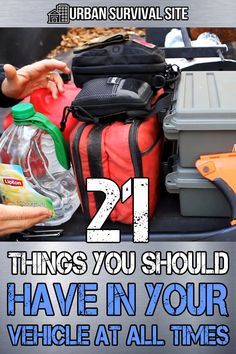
{"type": "Point", "coordinates": [108, 99]}
{"type": "Point", "coordinates": [123, 57]}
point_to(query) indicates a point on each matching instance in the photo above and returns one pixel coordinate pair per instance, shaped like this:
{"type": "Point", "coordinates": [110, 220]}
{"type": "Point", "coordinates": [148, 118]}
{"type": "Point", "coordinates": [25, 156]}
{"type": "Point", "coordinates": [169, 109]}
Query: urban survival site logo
{"type": "Point", "coordinates": [64, 13]}
{"type": "Point", "coordinates": [60, 15]}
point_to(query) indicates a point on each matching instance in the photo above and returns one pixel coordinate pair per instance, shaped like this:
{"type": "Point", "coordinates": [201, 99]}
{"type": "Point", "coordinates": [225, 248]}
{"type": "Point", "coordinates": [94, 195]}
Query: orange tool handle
{"type": "Point", "coordinates": [221, 170]}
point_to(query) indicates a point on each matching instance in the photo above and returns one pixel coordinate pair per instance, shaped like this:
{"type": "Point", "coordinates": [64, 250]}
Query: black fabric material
{"type": "Point", "coordinates": [118, 56]}
{"type": "Point", "coordinates": [102, 108]}
{"type": "Point", "coordinates": [164, 103]}
{"type": "Point", "coordinates": [4, 100]}
{"type": "Point", "coordinates": [134, 149]}
{"type": "Point", "coordinates": [111, 99]}
{"type": "Point", "coordinates": [77, 165]}
{"type": "Point", "coordinates": [95, 159]}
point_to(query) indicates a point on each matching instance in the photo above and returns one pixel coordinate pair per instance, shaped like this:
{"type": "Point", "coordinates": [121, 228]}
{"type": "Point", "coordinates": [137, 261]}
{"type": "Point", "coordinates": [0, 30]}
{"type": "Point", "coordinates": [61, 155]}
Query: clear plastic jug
{"type": "Point", "coordinates": [34, 165]}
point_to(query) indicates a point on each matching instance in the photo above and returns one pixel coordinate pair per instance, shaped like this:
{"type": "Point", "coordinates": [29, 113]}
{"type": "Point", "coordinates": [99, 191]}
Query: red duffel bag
{"type": "Point", "coordinates": [118, 151]}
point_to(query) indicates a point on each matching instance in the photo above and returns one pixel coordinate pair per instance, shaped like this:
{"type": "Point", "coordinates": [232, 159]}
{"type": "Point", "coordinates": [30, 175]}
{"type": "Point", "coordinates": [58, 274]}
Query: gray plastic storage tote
{"type": "Point", "coordinates": [203, 117]}
{"type": "Point", "coordinates": [198, 196]}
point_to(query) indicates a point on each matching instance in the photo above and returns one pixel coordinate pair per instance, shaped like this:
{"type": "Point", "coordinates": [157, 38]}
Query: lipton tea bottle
{"type": "Point", "coordinates": [34, 165]}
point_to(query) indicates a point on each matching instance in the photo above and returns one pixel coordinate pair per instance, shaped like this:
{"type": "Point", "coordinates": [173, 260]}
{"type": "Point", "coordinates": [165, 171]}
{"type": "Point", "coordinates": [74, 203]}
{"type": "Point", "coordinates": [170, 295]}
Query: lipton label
{"type": "Point", "coordinates": [13, 182]}
{"type": "Point", "coordinates": [16, 190]}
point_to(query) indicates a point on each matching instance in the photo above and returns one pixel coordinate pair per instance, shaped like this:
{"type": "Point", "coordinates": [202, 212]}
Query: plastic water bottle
{"type": "Point", "coordinates": [34, 165]}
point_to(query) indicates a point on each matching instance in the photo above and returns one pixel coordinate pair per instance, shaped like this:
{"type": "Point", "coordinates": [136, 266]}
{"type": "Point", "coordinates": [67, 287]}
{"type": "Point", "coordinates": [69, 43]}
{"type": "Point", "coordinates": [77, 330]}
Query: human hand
{"type": "Point", "coordinates": [22, 82]}
{"type": "Point", "coordinates": [14, 219]}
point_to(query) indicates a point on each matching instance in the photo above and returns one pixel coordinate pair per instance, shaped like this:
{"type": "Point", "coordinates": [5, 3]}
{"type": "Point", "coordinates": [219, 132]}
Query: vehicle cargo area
{"type": "Point", "coordinates": [200, 121]}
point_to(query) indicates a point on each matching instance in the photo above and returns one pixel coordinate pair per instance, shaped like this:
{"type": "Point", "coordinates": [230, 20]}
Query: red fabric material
{"type": "Point", "coordinates": [120, 167]}
{"type": "Point", "coordinates": [117, 162]}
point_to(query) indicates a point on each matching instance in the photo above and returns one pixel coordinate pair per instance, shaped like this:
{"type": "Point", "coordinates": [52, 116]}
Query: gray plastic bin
{"type": "Point", "coordinates": [198, 196]}
{"type": "Point", "coordinates": [203, 119]}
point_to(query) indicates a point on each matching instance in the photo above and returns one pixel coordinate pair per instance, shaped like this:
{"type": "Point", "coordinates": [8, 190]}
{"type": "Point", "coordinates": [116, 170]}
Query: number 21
{"type": "Point", "coordinates": [138, 187]}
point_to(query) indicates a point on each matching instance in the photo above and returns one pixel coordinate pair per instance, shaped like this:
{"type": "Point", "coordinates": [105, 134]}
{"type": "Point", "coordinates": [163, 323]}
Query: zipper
{"type": "Point", "coordinates": [114, 39]}
{"type": "Point", "coordinates": [76, 160]}
{"type": "Point", "coordinates": [101, 71]}
{"type": "Point", "coordinates": [134, 149]}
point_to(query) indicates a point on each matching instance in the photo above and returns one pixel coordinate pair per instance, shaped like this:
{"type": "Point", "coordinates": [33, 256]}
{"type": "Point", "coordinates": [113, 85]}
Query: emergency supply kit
{"type": "Point", "coordinates": [118, 151]}
{"type": "Point", "coordinates": [125, 95]}
{"type": "Point", "coordinates": [115, 109]}
{"type": "Point", "coordinates": [120, 137]}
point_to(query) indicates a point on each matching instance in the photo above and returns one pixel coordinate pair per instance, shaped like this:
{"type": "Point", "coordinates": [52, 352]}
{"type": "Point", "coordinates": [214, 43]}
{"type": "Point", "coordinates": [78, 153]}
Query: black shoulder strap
{"type": "Point", "coordinates": [164, 103]}
{"type": "Point", "coordinates": [95, 159]}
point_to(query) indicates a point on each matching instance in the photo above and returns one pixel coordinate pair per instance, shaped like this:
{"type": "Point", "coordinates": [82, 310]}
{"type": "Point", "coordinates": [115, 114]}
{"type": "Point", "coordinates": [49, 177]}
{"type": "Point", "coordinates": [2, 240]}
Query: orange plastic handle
{"type": "Point", "coordinates": [221, 170]}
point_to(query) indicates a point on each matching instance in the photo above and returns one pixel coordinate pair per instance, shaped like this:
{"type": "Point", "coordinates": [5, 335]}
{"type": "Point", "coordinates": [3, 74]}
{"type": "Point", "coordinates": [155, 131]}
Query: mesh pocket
{"type": "Point", "coordinates": [97, 89]}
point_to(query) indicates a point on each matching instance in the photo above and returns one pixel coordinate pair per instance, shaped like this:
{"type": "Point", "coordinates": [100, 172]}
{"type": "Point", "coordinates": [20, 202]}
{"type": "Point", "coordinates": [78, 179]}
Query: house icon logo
{"type": "Point", "coordinates": [61, 14]}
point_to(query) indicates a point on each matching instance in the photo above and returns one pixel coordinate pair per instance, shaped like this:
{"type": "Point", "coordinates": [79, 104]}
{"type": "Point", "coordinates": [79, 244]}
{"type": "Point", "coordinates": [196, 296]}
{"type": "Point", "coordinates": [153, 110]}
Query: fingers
{"type": "Point", "coordinates": [8, 212]}
{"type": "Point", "coordinates": [16, 219]}
{"type": "Point", "coordinates": [55, 77]}
{"type": "Point", "coordinates": [18, 226]}
{"type": "Point", "coordinates": [10, 72]}
{"type": "Point", "coordinates": [21, 83]}
{"type": "Point", "coordinates": [37, 70]}
{"type": "Point", "coordinates": [44, 66]}
{"type": "Point", "coordinates": [54, 64]}
{"type": "Point", "coordinates": [53, 88]}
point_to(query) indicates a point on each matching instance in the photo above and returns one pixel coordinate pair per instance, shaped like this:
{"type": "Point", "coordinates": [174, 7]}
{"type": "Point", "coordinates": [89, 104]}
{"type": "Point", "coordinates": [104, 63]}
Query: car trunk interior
{"type": "Point", "coordinates": [168, 223]}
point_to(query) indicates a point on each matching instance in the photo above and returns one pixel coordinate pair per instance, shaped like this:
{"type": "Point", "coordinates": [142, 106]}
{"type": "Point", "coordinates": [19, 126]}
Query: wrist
{"type": "Point", "coordinates": [5, 99]}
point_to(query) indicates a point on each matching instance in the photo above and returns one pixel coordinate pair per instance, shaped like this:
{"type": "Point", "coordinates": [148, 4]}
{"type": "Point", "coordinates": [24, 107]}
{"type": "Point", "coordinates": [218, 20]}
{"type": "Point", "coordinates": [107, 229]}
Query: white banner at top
{"type": "Point", "coordinates": [122, 13]}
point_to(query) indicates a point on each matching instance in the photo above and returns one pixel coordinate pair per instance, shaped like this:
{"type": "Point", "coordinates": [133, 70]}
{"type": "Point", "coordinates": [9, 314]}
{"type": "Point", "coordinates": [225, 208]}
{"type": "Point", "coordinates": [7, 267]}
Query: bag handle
{"type": "Point", "coordinates": [169, 77]}
{"type": "Point", "coordinates": [172, 75]}
{"type": "Point", "coordinates": [42, 122]}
